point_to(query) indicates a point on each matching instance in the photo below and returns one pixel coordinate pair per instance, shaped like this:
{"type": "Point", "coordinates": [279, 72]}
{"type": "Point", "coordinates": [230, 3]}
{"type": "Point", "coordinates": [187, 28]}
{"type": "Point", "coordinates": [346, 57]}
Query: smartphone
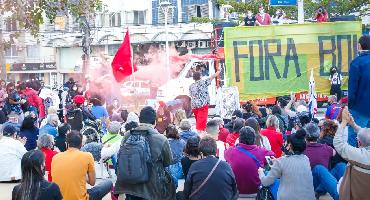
{"type": "Point", "coordinates": [269, 160]}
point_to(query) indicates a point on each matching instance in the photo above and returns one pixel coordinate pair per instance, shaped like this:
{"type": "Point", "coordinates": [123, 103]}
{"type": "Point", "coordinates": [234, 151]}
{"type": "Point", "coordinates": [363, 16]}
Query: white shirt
{"type": "Point", "coordinates": [108, 152]}
{"type": "Point", "coordinates": [221, 147]}
{"type": "Point", "coordinates": [11, 153]}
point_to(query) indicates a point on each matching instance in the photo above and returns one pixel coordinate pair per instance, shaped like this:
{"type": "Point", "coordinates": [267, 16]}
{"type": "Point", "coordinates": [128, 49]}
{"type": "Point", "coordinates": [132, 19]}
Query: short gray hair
{"type": "Point", "coordinates": [272, 121]}
{"type": "Point", "coordinates": [212, 127]}
{"type": "Point", "coordinates": [219, 120]}
{"type": "Point", "coordinates": [364, 137]}
{"type": "Point", "coordinates": [52, 118]}
{"type": "Point", "coordinates": [247, 135]}
{"type": "Point", "coordinates": [185, 125]}
{"type": "Point", "coordinates": [45, 141]}
{"type": "Point", "coordinates": [312, 132]}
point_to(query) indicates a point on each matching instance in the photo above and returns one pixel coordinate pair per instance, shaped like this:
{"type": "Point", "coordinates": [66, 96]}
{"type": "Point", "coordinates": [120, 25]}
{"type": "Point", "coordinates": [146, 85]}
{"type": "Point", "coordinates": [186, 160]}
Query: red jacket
{"type": "Point", "coordinates": [34, 100]}
{"type": "Point", "coordinates": [49, 154]}
{"type": "Point", "coordinates": [223, 134]}
{"type": "Point", "coordinates": [231, 139]}
{"type": "Point", "coordinates": [275, 138]}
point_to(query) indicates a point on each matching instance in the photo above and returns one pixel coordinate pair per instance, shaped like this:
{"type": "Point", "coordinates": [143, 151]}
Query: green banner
{"type": "Point", "coordinates": [270, 61]}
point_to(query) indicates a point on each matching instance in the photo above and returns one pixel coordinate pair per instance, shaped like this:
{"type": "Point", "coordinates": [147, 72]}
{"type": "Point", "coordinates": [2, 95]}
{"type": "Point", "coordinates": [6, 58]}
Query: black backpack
{"type": "Point", "coordinates": [75, 118]}
{"type": "Point", "coordinates": [134, 159]}
{"type": "Point", "coordinates": [264, 193]}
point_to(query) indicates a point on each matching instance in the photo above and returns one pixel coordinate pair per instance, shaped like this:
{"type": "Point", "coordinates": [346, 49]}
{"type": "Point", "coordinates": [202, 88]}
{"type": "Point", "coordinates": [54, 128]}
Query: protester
{"type": "Point", "coordinates": [274, 136]}
{"type": "Point", "coordinates": [262, 18]}
{"type": "Point", "coordinates": [177, 146]}
{"type": "Point", "coordinates": [261, 140]}
{"type": "Point", "coordinates": [335, 79]}
{"type": "Point", "coordinates": [185, 130]}
{"type": "Point", "coordinates": [179, 116]}
{"type": "Point", "coordinates": [3, 93]}
{"type": "Point", "coordinates": [293, 170]}
{"type": "Point", "coordinates": [51, 110]}
{"type": "Point", "coordinates": [249, 19]}
{"type": "Point", "coordinates": [45, 143]}
{"type": "Point", "coordinates": [29, 131]}
{"type": "Point", "coordinates": [221, 179]}
{"type": "Point", "coordinates": [276, 111]}
{"type": "Point", "coordinates": [112, 135]}
{"type": "Point", "coordinates": [231, 138]}
{"type": "Point", "coordinates": [358, 88]}
{"type": "Point", "coordinates": [11, 151]}
{"type": "Point", "coordinates": [114, 109]}
{"type": "Point", "coordinates": [213, 131]}
{"type": "Point", "coordinates": [249, 111]}
{"type": "Point", "coordinates": [95, 148]}
{"type": "Point", "coordinates": [35, 103]}
{"type": "Point", "coordinates": [321, 15]}
{"type": "Point", "coordinates": [192, 154]}
{"type": "Point", "coordinates": [51, 126]}
{"type": "Point", "coordinates": [358, 171]}
{"type": "Point", "coordinates": [33, 185]}
{"type": "Point", "coordinates": [200, 98]}
{"type": "Point", "coordinates": [99, 111]}
{"type": "Point", "coordinates": [60, 140]}
{"type": "Point", "coordinates": [14, 102]}
{"type": "Point", "coordinates": [160, 150]}
{"type": "Point", "coordinates": [319, 156]}
{"type": "Point", "coordinates": [243, 161]}
{"type": "Point", "coordinates": [328, 130]}
{"type": "Point", "coordinates": [230, 125]}
{"type": "Point", "coordinates": [72, 176]}
{"type": "Point", "coordinates": [164, 118]}
{"type": "Point", "coordinates": [223, 132]}
{"type": "Point", "coordinates": [333, 109]}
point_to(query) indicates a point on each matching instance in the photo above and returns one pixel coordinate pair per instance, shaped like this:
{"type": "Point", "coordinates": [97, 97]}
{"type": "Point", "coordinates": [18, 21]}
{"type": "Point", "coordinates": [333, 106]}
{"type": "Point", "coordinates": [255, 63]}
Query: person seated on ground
{"type": "Point", "coordinates": [110, 150]}
{"type": "Point", "coordinates": [212, 129]}
{"type": "Point", "coordinates": [11, 151]}
{"type": "Point", "coordinates": [177, 146]}
{"type": "Point", "coordinates": [185, 130]}
{"type": "Point", "coordinates": [60, 140]}
{"type": "Point", "coordinates": [112, 135]}
{"type": "Point", "coordinates": [33, 185]}
{"type": "Point", "coordinates": [359, 159]}
{"type": "Point", "coordinates": [319, 156]}
{"type": "Point", "coordinates": [248, 111]}
{"type": "Point", "coordinates": [179, 116]}
{"type": "Point", "coordinates": [261, 140]}
{"type": "Point", "coordinates": [221, 184]}
{"type": "Point", "coordinates": [293, 170]}
{"type": "Point", "coordinates": [242, 161]}
{"type": "Point", "coordinates": [45, 143]}
{"type": "Point", "coordinates": [224, 132]}
{"type": "Point", "coordinates": [231, 138]}
{"type": "Point", "coordinates": [51, 110]}
{"type": "Point", "coordinates": [160, 179]}
{"type": "Point", "coordinates": [51, 126]}
{"type": "Point", "coordinates": [333, 109]}
{"type": "Point", "coordinates": [29, 130]}
{"type": "Point", "coordinates": [328, 130]}
{"type": "Point", "coordinates": [236, 114]}
{"type": "Point", "coordinates": [192, 154]}
{"type": "Point", "coordinates": [274, 136]}
{"type": "Point", "coordinates": [72, 176]}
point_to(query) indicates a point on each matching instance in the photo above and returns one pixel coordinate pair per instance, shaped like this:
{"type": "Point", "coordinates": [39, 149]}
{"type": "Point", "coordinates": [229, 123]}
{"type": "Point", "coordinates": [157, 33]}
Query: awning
{"type": "Point", "coordinates": [194, 35]}
{"type": "Point", "coordinates": [138, 38]}
{"type": "Point", "coordinates": [161, 37]}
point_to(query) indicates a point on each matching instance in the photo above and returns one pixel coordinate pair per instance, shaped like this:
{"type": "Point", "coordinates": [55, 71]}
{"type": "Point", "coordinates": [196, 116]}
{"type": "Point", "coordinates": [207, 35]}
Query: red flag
{"type": "Point", "coordinates": [122, 64]}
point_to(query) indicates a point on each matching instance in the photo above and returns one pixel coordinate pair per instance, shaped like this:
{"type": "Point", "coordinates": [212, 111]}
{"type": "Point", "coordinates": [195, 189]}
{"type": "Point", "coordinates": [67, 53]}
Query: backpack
{"type": "Point", "coordinates": [75, 118]}
{"type": "Point", "coordinates": [134, 159]}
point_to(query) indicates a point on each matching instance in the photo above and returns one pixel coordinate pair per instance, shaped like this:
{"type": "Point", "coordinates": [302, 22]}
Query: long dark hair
{"type": "Point", "coordinates": [28, 123]}
{"type": "Point", "coordinates": [253, 123]}
{"type": "Point", "coordinates": [32, 175]}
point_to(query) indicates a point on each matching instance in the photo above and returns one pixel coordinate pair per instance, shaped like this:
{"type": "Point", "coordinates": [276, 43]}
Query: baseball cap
{"type": "Point", "coordinates": [9, 130]}
{"type": "Point", "coordinates": [79, 99]}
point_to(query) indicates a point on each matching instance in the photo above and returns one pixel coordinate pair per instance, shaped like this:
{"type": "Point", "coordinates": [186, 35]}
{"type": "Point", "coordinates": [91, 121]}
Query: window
{"type": "Point", "coordinates": [11, 25]}
{"type": "Point", "coordinates": [11, 52]}
{"type": "Point", "coordinates": [199, 11]}
{"type": "Point", "coordinates": [112, 49]}
{"type": "Point", "coordinates": [115, 19]}
{"type": "Point", "coordinates": [139, 17]}
{"type": "Point", "coordinates": [33, 51]}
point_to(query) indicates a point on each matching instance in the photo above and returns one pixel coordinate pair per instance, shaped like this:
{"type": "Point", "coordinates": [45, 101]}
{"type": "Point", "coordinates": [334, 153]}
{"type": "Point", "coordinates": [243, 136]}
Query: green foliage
{"type": "Point", "coordinates": [203, 20]}
{"type": "Point", "coordinates": [334, 7]}
{"type": "Point", "coordinates": [29, 13]}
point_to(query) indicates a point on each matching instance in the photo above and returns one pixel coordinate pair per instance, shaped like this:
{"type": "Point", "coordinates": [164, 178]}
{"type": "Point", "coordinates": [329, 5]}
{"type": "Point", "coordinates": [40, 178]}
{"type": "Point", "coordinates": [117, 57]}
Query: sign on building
{"type": "Point", "coordinates": [283, 2]}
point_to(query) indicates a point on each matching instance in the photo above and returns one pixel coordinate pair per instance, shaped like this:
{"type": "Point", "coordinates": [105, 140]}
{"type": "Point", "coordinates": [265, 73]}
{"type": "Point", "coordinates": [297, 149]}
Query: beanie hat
{"type": "Point", "coordinates": [114, 127]}
{"type": "Point", "coordinates": [9, 130]}
{"type": "Point", "coordinates": [79, 99]}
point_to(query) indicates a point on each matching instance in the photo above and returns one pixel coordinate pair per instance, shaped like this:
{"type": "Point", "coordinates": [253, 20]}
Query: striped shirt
{"type": "Point", "coordinates": [336, 79]}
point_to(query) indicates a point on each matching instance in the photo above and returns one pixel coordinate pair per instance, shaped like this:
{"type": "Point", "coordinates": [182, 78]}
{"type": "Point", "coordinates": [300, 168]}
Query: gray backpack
{"type": "Point", "coordinates": [134, 159]}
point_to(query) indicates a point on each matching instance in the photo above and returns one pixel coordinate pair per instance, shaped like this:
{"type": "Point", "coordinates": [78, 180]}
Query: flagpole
{"type": "Point", "coordinates": [136, 105]}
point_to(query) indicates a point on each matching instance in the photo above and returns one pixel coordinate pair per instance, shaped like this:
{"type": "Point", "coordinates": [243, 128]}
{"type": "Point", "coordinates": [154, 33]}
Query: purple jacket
{"type": "Point", "coordinates": [245, 168]}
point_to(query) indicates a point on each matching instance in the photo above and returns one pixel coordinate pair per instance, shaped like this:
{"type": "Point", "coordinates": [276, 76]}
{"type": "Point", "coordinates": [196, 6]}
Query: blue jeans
{"type": "Point", "coordinates": [325, 181]}
{"type": "Point", "coordinates": [100, 190]}
{"type": "Point", "coordinates": [361, 121]}
{"type": "Point", "coordinates": [274, 187]}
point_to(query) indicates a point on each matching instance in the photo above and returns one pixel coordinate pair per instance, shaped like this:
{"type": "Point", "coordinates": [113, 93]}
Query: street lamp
{"type": "Point", "coordinates": [165, 6]}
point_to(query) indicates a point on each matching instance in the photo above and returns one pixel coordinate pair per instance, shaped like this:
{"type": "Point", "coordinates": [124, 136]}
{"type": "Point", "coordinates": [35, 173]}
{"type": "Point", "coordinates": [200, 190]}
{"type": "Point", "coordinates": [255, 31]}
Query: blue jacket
{"type": "Point", "coordinates": [31, 135]}
{"type": "Point", "coordinates": [359, 84]}
{"type": "Point", "coordinates": [49, 129]}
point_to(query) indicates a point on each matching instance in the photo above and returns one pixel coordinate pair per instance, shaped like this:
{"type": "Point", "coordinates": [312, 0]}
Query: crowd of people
{"type": "Point", "coordinates": [282, 150]}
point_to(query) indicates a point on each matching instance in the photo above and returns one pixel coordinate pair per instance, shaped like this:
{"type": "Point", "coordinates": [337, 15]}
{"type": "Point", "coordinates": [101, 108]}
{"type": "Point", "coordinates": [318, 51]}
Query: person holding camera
{"type": "Point", "coordinates": [321, 15]}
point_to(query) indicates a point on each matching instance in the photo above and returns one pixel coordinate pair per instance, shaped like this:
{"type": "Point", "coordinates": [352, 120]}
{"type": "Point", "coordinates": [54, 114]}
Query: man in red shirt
{"type": "Point", "coordinates": [223, 131]}
{"type": "Point", "coordinates": [231, 138]}
{"type": "Point", "coordinates": [262, 18]}
{"type": "Point", "coordinates": [275, 138]}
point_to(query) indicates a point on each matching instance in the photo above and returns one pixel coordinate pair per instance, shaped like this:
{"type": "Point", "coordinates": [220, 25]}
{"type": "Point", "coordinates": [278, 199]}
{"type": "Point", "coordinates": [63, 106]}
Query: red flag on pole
{"type": "Point", "coordinates": [122, 64]}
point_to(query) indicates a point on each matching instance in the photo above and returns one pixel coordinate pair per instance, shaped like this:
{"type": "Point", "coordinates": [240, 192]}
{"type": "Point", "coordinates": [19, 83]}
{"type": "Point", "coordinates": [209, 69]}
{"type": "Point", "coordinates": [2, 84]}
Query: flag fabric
{"type": "Point", "coordinates": [312, 96]}
{"type": "Point", "coordinates": [122, 65]}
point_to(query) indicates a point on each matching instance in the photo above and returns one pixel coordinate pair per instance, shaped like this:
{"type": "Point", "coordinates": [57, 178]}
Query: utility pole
{"type": "Point", "coordinates": [86, 43]}
{"type": "Point", "coordinates": [2, 51]}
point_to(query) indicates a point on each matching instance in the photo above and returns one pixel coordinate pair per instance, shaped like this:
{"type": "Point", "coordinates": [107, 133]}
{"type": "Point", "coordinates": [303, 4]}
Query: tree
{"type": "Point", "coordinates": [28, 14]}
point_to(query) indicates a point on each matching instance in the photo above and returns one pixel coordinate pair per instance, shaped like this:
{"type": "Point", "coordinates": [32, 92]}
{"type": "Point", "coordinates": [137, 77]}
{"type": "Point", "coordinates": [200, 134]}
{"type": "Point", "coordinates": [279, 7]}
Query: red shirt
{"type": "Point", "coordinates": [276, 140]}
{"type": "Point", "coordinates": [263, 19]}
{"type": "Point", "coordinates": [322, 17]}
{"type": "Point", "coordinates": [34, 100]}
{"type": "Point", "coordinates": [223, 134]}
{"type": "Point", "coordinates": [231, 139]}
{"type": "Point", "coordinates": [49, 154]}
